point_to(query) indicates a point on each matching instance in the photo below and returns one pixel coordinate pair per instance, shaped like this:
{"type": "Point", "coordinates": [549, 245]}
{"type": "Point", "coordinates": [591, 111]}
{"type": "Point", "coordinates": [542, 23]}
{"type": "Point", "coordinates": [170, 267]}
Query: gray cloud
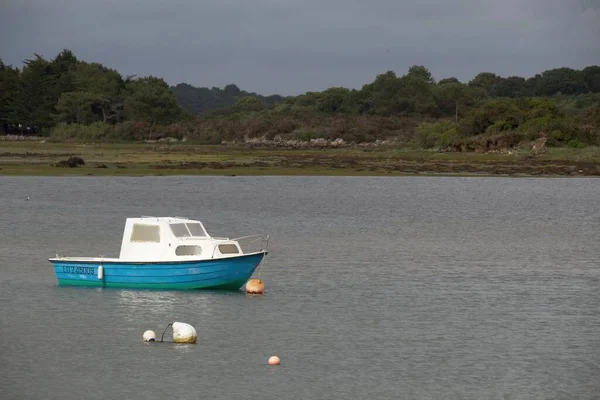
{"type": "Point", "coordinates": [289, 47]}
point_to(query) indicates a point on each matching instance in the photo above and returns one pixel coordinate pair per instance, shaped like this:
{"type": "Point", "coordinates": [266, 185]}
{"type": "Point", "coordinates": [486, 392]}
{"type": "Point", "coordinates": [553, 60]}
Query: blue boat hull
{"type": "Point", "coordinates": [223, 273]}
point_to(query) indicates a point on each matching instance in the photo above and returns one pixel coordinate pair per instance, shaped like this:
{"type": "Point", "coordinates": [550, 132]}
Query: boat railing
{"type": "Point", "coordinates": [253, 243]}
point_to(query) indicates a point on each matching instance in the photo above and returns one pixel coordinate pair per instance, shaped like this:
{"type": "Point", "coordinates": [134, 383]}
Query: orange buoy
{"type": "Point", "coordinates": [274, 360]}
{"type": "Point", "coordinates": [255, 286]}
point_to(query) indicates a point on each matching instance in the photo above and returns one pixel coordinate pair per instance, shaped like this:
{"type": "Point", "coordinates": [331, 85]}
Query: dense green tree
{"type": "Point", "coordinates": [232, 90]}
{"type": "Point", "coordinates": [202, 100]}
{"type": "Point", "coordinates": [151, 100]}
{"type": "Point", "coordinates": [97, 94]}
{"type": "Point", "coordinates": [64, 64]}
{"type": "Point", "coordinates": [513, 86]}
{"type": "Point", "coordinates": [448, 80]}
{"type": "Point", "coordinates": [79, 107]}
{"type": "Point", "coordinates": [11, 106]}
{"type": "Point", "coordinates": [591, 77]}
{"type": "Point", "coordinates": [248, 103]}
{"type": "Point", "coordinates": [334, 100]}
{"type": "Point", "coordinates": [38, 96]}
{"type": "Point", "coordinates": [309, 99]}
{"type": "Point", "coordinates": [417, 90]}
{"type": "Point", "coordinates": [560, 80]}
{"type": "Point", "coordinates": [487, 81]}
{"type": "Point", "coordinates": [419, 71]}
{"type": "Point", "coordinates": [383, 96]}
{"type": "Point", "coordinates": [449, 96]}
{"type": "Point", "coordinates": [501, 115]}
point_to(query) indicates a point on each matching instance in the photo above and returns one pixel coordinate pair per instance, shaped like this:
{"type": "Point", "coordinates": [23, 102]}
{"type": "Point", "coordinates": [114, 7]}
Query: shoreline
{"type": "Point", "coordinates": [40, 158]}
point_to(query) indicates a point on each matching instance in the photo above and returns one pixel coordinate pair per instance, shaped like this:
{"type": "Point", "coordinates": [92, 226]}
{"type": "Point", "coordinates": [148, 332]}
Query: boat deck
{"type": "Point", "coordinates": [180, 259]}
{"type": "Point", "coordinates": [86, 259]}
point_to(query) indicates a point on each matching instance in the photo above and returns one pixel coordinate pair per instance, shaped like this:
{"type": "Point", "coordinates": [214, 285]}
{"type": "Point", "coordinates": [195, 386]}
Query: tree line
{"type": "Point", "coordinates": [45, 93]}
{"type": "Point", "coordinates": [68, 98]}
{"type": "Point", "coordinates": [199, 100]}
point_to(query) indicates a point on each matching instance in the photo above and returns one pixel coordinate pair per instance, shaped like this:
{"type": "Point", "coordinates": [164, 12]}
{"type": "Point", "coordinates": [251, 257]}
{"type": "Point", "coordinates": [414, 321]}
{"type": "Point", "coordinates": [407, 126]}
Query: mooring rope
{"type": "Point", "coordinates": [260, 266]}
{"type": "Point", "coordinates": [163, 334]}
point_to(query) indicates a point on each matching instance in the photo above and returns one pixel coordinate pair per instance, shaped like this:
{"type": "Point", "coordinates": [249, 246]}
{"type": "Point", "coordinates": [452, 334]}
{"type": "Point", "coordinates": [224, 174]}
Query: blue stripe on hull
{"type": "Point", "coordinates": [230, 273]}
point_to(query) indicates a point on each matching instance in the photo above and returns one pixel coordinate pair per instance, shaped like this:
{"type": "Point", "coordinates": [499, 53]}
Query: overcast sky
{"type": "Point", "coordinates": [293, 46]}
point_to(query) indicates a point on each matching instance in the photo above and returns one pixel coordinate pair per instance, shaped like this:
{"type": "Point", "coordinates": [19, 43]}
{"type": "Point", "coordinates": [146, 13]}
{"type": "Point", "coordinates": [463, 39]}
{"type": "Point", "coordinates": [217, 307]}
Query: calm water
{"type": "Point", "coordinates": [377, 288]}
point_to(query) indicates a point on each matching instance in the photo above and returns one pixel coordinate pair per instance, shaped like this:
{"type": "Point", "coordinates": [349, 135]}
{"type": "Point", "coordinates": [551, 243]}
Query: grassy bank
{"type": "Point", "coordinates": [138, 159]}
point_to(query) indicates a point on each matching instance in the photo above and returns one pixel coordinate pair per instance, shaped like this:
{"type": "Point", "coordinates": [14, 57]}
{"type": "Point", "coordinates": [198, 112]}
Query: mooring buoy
{"type": "Point", "coordinates": [184, 333]}
{"type": "Point", "coordinates": [274, 360]}
{"type": "Point", "coordinates": [255, 286]}
{"type": "Point", "coordinates": [149, 336]}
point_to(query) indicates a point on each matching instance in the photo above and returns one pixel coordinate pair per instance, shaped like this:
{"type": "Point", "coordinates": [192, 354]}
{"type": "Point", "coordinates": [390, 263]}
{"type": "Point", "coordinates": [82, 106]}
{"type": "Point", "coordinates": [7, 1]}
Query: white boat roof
{"type": "Point", "coordinates": [168, 220]}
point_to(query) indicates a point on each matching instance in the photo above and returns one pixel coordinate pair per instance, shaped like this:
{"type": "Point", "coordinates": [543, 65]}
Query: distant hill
{"type": "Point", "coordinates": [199, 100]}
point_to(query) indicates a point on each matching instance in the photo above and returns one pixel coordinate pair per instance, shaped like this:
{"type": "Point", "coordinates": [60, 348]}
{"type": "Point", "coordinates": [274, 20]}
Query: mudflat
{"type": "Point", "coordinates": [136, 159]}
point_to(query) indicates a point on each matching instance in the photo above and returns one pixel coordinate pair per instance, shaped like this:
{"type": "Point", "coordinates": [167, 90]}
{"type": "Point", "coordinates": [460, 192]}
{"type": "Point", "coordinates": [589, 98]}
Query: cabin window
{"type": "Point", "coordinates": [188, 250]}
{"type": "Point", "coordinates": [228, 249]}
{"type": "Point", "coordinates": [195, 229]}
{"type": "Point", "coordinates": [179, 230]}
{"type": "Point", "coordinates": [145, 233]}
{"type": "Point", "coordinates": [187, 230]}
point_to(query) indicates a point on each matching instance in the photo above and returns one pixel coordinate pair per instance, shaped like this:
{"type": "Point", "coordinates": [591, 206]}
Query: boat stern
{"type": "Point", "coordinates": [68, 272]}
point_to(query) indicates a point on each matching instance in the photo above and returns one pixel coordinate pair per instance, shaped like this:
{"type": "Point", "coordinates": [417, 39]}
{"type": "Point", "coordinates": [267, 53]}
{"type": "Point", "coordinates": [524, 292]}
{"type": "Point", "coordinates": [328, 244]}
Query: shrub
{"type": "Point", "coordinates": [96, 130]}
{"type": "Point", "coordinates": [437, 134]}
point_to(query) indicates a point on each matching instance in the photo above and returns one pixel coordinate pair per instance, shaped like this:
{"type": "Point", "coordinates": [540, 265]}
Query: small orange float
{"type": "Point", "coordinates": [255, 286]}
{"type": "Point", "coordinates": [274, 360]}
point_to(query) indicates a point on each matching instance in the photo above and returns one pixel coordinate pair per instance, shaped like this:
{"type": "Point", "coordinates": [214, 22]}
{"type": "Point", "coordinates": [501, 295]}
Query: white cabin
{"type": "Point", "coordinates": [172, 239]}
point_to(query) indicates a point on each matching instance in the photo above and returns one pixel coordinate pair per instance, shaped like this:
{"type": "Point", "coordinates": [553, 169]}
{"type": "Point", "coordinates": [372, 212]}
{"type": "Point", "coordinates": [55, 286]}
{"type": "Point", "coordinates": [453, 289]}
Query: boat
{"type": "Point", "coordinates": [167, 253]}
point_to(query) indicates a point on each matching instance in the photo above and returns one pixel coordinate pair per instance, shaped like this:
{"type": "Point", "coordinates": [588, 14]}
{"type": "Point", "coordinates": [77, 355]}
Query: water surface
{"type": "Point", "coordinates": [377, 288]}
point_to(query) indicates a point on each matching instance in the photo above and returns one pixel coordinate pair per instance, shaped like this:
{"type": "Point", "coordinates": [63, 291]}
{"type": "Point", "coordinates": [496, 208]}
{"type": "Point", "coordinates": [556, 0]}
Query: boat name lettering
{"type": "Point", "coordinates": [72, 269]}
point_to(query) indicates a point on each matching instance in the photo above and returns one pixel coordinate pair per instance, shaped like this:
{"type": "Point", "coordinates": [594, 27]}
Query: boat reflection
{"type": "Point", "coordinates": [167, 305]}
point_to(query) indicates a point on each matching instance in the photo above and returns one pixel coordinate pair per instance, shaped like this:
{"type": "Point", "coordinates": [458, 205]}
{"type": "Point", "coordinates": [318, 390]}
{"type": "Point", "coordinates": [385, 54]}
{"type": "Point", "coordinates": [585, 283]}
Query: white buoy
{"type": "Point", "coordinates": [184, 333]}
{"type": "Point", "coordinates": [149, 336]}
{"type": "Point", "coordinates": [100, 272]}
